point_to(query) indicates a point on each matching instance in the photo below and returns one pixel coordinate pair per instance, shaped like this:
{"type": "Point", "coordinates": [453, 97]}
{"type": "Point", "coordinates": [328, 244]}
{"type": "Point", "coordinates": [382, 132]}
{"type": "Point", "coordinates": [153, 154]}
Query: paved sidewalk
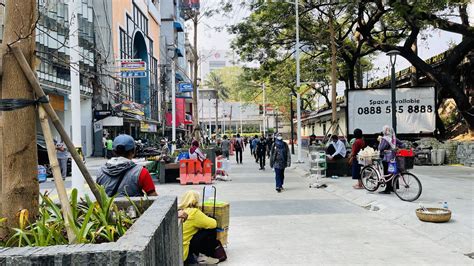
{"type": "Point", "coordinates": [454, 184]}
{"type": "Point", "coordinates": [303, 226]}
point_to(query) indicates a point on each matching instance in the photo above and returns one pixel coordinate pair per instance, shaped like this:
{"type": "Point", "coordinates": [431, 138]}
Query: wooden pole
{"type": "Point", "coordinates": [58, 180]}
{"type": "Point", "coordinates": [30, 75]}
{"type": "Point", "coordinates": [19, 169]}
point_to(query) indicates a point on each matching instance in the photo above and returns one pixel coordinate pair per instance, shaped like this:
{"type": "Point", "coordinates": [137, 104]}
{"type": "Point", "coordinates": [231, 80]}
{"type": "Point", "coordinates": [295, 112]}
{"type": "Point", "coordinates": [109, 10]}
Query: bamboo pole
{"type": "Point", "coordinates": [58, 180]}
{"type": "Point", "coordinates": [33, 80]}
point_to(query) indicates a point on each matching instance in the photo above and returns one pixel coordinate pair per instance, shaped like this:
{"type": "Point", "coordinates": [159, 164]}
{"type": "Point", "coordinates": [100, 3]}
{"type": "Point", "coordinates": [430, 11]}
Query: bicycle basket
{"type": "Point", "coordinates": [366, 160]}
{"type": "Point", "coordinates": [405, 163]}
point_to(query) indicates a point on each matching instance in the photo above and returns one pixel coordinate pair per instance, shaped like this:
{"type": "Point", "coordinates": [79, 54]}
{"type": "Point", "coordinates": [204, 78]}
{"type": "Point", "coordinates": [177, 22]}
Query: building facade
{"type": "Point", "coordinates": [175, 67]}
{"type": "Point", "coordinates": [52, 50]}
{"type": "Point", "coordinates": [127, 30]}
{"type": "Point", "coordinates": [215, 59]}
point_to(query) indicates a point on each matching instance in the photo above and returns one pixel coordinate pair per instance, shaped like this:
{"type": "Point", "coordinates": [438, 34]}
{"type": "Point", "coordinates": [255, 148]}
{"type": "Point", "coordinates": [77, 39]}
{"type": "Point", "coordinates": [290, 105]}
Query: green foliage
{"type": "Point", "coordinates": [94, 222]}
{"type": "Point", "coordinates": [214, 81]}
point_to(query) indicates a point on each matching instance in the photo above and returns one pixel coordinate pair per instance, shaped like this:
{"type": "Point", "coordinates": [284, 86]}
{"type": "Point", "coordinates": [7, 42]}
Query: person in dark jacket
{"type": "Point", "coordinates": [261, 152]}
{"type": "Point", "coordinates": [121, 176]}
{"type": "Point", "coordinates": [280, 158]}
{"type": "Point", "coordinates": [269, 144]}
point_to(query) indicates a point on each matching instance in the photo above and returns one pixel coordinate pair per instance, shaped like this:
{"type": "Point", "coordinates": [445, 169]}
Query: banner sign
{"type": "Point", "coordinates": [185, 87]}
{"type": "Point", "coordinates": [370, 110]}
{"type": "Point", "coordinates": [132, 68]}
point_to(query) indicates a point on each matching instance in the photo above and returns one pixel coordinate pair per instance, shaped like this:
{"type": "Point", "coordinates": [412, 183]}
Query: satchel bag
{"type": "Point", "coordinates": [219, 252]}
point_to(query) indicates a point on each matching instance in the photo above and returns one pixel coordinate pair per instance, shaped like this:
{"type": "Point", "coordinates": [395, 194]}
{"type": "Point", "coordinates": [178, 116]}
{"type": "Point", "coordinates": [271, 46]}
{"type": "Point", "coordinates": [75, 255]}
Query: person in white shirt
{"type": "Point", "coordinates": [336, 149]}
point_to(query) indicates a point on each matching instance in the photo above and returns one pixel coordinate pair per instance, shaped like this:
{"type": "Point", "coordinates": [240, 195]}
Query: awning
{"type": "Point", "coordinates": [178, 26]}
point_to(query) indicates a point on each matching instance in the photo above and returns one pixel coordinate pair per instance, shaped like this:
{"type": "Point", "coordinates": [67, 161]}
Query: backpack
{"type": "Point", "coordinates": [237, 145]}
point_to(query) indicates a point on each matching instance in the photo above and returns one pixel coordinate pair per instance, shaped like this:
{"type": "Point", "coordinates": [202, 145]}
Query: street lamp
{"type": "Point", "coordinates": [393, 59]}
{"type": "Point", "coordinates": [264, 111]}
{"type": "Point", "coordinates": [298, 96]}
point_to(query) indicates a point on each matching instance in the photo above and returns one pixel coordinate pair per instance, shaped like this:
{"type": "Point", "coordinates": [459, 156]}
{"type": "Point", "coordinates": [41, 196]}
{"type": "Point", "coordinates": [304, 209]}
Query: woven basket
{"type": "Point", "coordinates": [434, 217]}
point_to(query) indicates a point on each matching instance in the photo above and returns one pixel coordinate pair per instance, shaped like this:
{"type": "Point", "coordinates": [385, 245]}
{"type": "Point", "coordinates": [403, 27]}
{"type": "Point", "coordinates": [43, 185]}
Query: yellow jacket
{"type": "Point", "coordinates": [196, 220]}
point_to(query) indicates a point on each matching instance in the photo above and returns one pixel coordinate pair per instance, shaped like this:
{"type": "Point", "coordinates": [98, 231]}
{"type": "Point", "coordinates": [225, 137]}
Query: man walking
{"type": "Point", "coordinates": [109, 147]}
{"type": "Point", "coordinates": [239, 147]}
{"type": "Point", "coordinates": [269, 144]}
{"type": "Point", "coordinates": [254, 144]}
{"type": "Point", "coordinates": [62, 155]}
{"type": "Point", "coordinates": [261, 152]}
{"type": "Point", "coordinates": [225, 147]}
{"type": "Point", "coordinates": [280, 158]}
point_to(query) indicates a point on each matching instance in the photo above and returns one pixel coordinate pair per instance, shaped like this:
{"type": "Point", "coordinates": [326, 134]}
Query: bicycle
{"type": "Point", "coordinates": [405, 185]}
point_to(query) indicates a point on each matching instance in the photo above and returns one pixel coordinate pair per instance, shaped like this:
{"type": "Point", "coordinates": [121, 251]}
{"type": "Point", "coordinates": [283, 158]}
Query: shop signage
{"type": "Point", "coordinates": [132, 68]}
{"type": "Point", "coordinates": [185, 87]}
{"type": "Point", "coordinates": [101, 114]}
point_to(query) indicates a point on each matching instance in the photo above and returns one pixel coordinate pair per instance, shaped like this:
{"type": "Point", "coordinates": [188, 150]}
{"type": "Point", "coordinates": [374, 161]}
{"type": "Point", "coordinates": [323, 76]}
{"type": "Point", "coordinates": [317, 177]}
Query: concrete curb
{"type": "Point", "coordinates": [152, 240]}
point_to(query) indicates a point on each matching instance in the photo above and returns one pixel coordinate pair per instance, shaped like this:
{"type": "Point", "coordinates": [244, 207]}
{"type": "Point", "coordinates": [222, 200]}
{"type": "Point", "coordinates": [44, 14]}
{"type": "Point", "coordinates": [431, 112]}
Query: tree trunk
{"type": "Point", "coordinates": [359, 74]}
{"type": "Point", "coordinates": [20, 183]}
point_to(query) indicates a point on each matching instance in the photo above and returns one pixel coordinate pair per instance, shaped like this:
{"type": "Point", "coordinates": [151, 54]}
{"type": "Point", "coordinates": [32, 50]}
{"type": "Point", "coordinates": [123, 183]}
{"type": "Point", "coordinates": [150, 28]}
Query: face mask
{"type": "Point", "coordinates": [279, 138]}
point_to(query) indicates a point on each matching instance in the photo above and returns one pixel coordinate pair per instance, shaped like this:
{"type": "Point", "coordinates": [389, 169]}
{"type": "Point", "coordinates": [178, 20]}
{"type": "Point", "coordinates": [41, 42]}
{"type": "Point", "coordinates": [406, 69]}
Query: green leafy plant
{"type": "Point", "coordinates": [93, 222]}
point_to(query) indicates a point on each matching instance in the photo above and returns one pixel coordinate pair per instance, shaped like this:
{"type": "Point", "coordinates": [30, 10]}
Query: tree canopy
{"type": "Point", "coordinates": [362, 28]}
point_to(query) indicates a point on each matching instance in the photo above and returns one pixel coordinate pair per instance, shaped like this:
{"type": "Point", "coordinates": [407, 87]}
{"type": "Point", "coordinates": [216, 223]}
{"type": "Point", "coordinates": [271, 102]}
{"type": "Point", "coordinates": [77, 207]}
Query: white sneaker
{"type": "Point", "coordinates": [203, 259]}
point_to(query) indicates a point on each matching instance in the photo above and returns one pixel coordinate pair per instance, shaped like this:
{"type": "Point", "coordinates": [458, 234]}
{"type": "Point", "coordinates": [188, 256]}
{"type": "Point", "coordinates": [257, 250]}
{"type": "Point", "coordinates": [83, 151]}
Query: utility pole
{"type": "Point", "coordinates": [333, 74]}
{"type": "Point", "coordinates": [217, 107]}
{"type": "Point", "coordinates": [77, 179]}
{"type": "Point", "coordinates": [240, 114]}
{"type": "Point", "coordinates": [20, 189]}
{"type": "Point", "coordinates": [264, 111]}
{"type": "Point", "coordinates": [298, 84]}
{"type": "Point", "coordinates": [173, 104]}
{"type": "Point", "coordinates": [292, 126]}
{"type": "Point", "coordinates": [195, 77]}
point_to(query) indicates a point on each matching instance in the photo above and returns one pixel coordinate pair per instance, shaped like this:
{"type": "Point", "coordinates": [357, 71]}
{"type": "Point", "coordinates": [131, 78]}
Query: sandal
{"type": "Point", "coordinates": [357, 187]}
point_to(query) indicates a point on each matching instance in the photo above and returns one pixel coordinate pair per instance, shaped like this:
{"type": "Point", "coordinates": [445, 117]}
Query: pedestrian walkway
{"type": "Point", "coordinates": [303, 226]}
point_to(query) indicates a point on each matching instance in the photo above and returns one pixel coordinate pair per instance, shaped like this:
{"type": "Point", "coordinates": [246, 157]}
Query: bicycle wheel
{"type": "Point", "coordinates": [369, 178]}
{"type": "Point", "coordinates": [407, 186]}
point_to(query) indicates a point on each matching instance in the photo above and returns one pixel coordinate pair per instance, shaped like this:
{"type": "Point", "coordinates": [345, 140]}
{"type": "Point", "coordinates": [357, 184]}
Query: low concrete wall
{"type": "Point", "coordinates": [154, 239]}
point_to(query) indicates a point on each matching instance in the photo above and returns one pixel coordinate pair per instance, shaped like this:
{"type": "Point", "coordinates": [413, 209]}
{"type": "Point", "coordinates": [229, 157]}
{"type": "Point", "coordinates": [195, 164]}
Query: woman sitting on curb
{"type": "Point", "coordinates": [199, 233]}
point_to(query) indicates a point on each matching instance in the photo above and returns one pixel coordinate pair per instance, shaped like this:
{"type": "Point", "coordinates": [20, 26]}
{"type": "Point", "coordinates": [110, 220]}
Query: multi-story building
{"type": "Point", "coordinates": [128, 30]}
{"type": "Point", "coordinates": [53, 71]}
{"type": "Point", "coordinates": [174, 54]}
{"type": "Point", "coordinates": [215, 59]}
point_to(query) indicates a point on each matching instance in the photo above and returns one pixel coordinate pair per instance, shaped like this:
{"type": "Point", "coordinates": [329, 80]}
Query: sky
{"type": "Point", "coordinates": [211, 39]}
